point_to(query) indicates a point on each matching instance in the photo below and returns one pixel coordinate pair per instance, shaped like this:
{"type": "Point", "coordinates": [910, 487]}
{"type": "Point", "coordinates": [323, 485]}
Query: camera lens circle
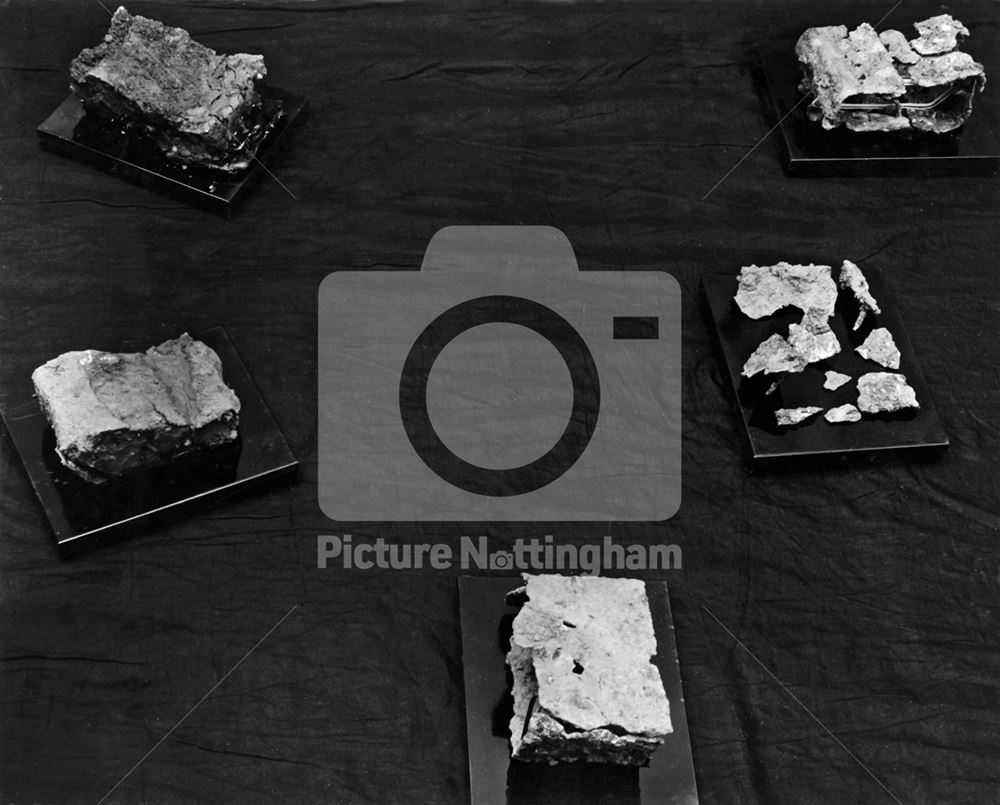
{"type": "Point", "coordinates": [416, 416]}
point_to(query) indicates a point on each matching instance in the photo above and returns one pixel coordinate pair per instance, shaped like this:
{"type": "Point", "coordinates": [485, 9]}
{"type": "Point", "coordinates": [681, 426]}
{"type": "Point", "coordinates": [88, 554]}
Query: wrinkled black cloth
{"type": "Point", "coordinates": [871, 593]}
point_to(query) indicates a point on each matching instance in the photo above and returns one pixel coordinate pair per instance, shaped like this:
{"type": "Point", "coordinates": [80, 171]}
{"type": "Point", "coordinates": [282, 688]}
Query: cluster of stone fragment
{"type": "Point", "coordinates": [868, 81]}
{"type": "Point", "coordinates": [764, 290]}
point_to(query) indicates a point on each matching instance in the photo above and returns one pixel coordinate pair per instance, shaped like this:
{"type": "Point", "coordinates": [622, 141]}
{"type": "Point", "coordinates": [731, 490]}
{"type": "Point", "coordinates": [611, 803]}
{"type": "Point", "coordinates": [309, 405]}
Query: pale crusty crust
{"type": "Point", "coordinates": [194, 103]}
{"type": "Point", "coordinates": [584, 687]}
{"type": "Point", "coordinates": [885, 392]}
{"type": "Point", "coordinates": [115, 412]}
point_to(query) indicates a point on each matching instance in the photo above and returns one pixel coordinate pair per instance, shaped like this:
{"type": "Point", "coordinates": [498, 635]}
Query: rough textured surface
{"type": "Point", "coordinates": [763, 290]}
{"type": "Point", "coordinates": [885, 392]}
{"type": "Point", "coordinates": [842, 413]}
{"type": "Point", "coordinates": [880, 347]}
{"type": "Point", "coordinates": [841, 64]}
{"type": "Point", "coordinates": [774, 355]}
{"type": "Point", "coordinates": [198, 106]}
{"type": "Point", "coordinates": [881, 82]}
{"type": "Point", "coordinates": [852, 278]}
{"type": "Point", "coordinates": [834, 380]}
{"type": "Point", "coordinates": [937, 70]}
{"type": "Point", "coordinates": [792, 416]}
{"type": "Point", "coordinates": [583, 684]}
{"type": "Point", "coordinates": [116, 412]}
{"type": "Point", "coordinates": [898, 46]}
{"type": "Point", "coordinates": [938, 34]}
{"type": "Point", "coordinates": [813, 339]}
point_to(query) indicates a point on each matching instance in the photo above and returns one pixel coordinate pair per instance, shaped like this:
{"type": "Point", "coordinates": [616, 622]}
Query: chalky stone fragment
{"type": "Point", "coordinates": [852, 278]}
{"type": "Point", "coordinates": [842, 413]}
{"type": "Point", "coordinates": [793, 416]}
{"type": "Point", "coordinates": [939, 34]}
{"type": "Point", "coordinates": [834, 380]}
{"type": "Point", "coordinates": [885, 392]}
{"type": "Point", "coordinates": [113, 413]}
{"type": "Point", "coordinates": [763, 290]}
{"type": "Point", "coordinates": [774, 355]}
{"type": "Point", "coordinates": [813, 339]}
{"type": "Point", "coordinates": [880, 347]}
{"type": "Point", "coordinates": [898, 46]}
{"type": "Point", "coordinates": [584, 686]}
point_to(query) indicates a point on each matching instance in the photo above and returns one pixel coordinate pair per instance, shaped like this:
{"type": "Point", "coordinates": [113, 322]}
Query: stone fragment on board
{"type": "Point", "coordinates": [763, 290]}
{"type": "Point", "coordinates": [940, 34]}
{"type": "Point", "coordinates": [842, 413]}
{"type": "Point", "coordinates": [885, 392]}
{"type": "Point", "coordinates": [583, 683]}
{"type": "Point", "coordinates": [881, 82]}
{"type": "Point", "coordinates": [834, 380]}
{"type": "Point", "coordinates": [793, 416]}
{"type": "Point", "coordinates": [880, 347]}
{"type": "Point", "coordinates": [813, 339]}
{"type": "Point", "coordinates": [852, 278]}
{"type": "Point", "coordinates": [774, 355]}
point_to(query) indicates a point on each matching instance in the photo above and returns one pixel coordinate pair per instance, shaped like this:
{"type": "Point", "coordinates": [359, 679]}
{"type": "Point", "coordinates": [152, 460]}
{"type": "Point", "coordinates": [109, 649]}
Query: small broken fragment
{"type": "Point", "coordinates": [763, 290]}
{"type": "Point", "coordinates": [842, 413]}
{"type": "Point", "coordinates": [854, 280]}
{"type": "Point", "coordinates": [880, 347]}
{"type": "Point", "coordinates": [813, 339]}
{"type": "Point", "coordinates": [885, 392]}
{"type": "Point", "coordinates": [793, 416]}
{"type": "Point", "coordinates": [939, 34]}
{"type": "Point", "coordinates": [933, 71]}
{"type": "Point", "coordinates": [834, 380]}
{"type": "Point", "coordinates": [774, 355]}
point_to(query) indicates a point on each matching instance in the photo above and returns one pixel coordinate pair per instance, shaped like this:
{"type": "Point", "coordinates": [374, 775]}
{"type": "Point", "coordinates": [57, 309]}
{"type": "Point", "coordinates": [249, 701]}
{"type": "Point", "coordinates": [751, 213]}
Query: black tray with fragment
{"type": "Point", "coordinates": [123, 149]}
{"type": "Point", "coordinates": [85, 515]}
{"type": "Point", "coordinates": [912, 433]}
{"type": "Point", "coordinates": [496, 779]}
{"type": "Point", "coordinates": [807, 149]}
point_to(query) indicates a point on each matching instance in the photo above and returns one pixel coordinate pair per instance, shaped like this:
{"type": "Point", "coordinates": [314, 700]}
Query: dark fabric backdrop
{"type": "Point", "coordinates": [871, 593]}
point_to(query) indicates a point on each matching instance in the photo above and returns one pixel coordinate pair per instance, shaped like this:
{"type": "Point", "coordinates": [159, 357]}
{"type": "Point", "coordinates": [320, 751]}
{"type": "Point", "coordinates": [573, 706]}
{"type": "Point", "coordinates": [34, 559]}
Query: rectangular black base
{"type": "Point", "coordinates": [496, 779]}
{"type": "Point", "coordinates": [807, 149]}
{"type": "Point", "coordinates": [817, 443]}
{"type": "Point", "coordinates": [84, 515]}
{"type": "Point", "coordinates": [131, 155]}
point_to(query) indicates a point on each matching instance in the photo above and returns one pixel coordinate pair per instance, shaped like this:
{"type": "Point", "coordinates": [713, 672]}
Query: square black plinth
{"type": "Point", "coordinates": [496, 779]}
{"type": "Point", "coordinates": [129, 154]}
{"type": "Point", "coordinates": [84, 515]}
{"type": "Point", "coordinates": [817, 443]}
{"type": "Point", "coordinates": [807, 149]}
